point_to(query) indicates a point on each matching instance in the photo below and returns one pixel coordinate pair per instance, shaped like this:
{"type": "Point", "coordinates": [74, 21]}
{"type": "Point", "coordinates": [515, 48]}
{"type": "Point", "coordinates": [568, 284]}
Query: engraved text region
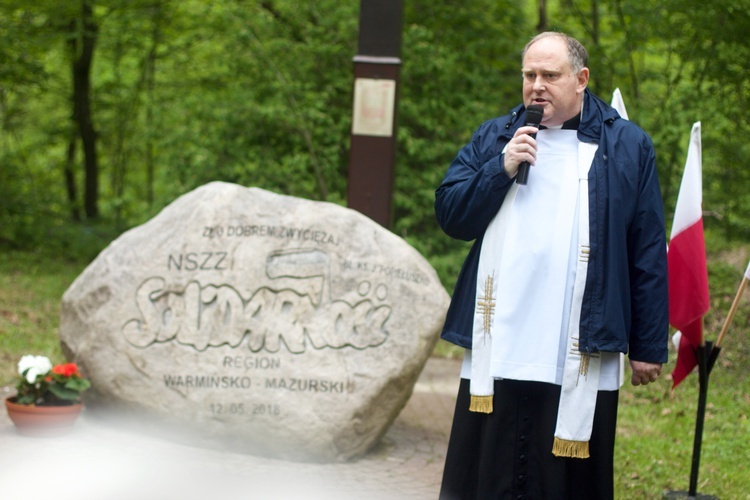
{"type": "Point", "coordinates": [385, 270]}
{"type": "Point", "coordinates": [295, 311]}
{"type": "Point", "coordinates": [251, 363]}
{"type": "Point", "coordinates": [198, 261]}
{"type": "Point", "coordinates": [212, 316]}
{"type": "Point", "coordinates": [243, 382]}
{"type": "Point", "coordinates": [270, 231]}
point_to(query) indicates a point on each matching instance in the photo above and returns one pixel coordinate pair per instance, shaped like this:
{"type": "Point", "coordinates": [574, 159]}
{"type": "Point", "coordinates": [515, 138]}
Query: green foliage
{"type": "Point", "coordinates": [259, 93]}
{"type": "Point", "coordinates": [452, 80]}
{"type": "Point", "coordinates": [68, 387]}
{"type": "Point", "coordinates": [677, 63]}
{"type": "Point", "coordinates": [257, 110]}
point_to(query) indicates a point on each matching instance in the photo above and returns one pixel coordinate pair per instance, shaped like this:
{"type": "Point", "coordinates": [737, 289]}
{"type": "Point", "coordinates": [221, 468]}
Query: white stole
{"type": "Point", "coordinates": [575, 414]}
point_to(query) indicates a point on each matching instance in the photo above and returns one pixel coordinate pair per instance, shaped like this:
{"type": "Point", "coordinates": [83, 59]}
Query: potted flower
{"type": "Point", "coordinates": [48, 398]}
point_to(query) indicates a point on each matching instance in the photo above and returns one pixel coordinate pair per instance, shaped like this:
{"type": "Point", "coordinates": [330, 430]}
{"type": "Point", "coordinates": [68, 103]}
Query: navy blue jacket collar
{"type": "Point", "coordinates": [595, 113]}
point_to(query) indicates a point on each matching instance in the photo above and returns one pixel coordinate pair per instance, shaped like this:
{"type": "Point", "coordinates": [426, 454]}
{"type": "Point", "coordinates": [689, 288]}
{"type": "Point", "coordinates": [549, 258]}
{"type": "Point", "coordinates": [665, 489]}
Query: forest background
{"type": "Point", "coordinates": [110, 109]}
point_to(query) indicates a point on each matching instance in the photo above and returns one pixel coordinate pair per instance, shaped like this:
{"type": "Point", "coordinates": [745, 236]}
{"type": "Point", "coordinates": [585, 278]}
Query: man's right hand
{"type": "Point", "coordinates": [521, 148]}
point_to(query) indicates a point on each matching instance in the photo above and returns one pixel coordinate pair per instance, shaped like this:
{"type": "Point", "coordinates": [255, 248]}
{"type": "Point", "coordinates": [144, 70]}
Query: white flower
{"type": "Point", "coordinates": [36, 365]}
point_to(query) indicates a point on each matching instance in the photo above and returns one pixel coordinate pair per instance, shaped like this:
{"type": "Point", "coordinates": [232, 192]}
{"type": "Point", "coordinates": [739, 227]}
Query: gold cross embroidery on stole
{"type": "Point", "coordinates": [486, 304]}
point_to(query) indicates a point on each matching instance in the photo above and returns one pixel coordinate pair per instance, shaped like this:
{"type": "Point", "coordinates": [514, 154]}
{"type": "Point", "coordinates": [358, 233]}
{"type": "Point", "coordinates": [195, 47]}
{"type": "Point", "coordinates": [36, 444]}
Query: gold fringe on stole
{"type": "Point", "coordinates": [572, 449]}
{"type": "Point", "coordinates": [583, 369]}
{"type": "Point", "coordinates": [481, 404]}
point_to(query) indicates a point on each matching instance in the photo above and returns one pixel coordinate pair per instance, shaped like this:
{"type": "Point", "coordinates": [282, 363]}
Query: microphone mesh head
{"type": "Point", "coordinates": [534, 114]}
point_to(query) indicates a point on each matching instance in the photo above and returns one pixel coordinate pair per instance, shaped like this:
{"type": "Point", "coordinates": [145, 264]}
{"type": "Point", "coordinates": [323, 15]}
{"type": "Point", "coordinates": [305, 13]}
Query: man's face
{"type": "Point", "coordinates": [549, 81]}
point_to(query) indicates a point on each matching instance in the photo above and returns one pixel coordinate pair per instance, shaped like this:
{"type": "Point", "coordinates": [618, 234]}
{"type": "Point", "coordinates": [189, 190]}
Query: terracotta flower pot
{"type": "Point", "coordinates": [32, 420]}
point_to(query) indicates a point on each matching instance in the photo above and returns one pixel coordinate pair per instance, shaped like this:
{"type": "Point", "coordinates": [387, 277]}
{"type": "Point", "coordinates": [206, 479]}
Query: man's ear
{"type": "Point", "coordinates": [583, 80]}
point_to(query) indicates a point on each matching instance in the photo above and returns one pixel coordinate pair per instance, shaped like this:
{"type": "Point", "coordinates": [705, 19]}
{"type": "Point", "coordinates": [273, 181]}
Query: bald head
{"type": "Point", "coordinates": [577, 54]}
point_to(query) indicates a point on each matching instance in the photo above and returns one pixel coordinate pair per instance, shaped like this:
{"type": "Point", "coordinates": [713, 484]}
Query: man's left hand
{"type": "Point", "coordinates": [644, 373]}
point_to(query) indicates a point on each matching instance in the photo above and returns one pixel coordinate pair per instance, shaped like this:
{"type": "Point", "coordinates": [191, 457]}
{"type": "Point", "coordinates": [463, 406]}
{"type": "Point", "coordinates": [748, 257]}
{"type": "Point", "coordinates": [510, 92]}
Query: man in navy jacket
{"type": "Point", "coordinates": [624, 305]}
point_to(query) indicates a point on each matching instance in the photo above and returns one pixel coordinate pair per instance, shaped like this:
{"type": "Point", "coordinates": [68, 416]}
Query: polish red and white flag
{"type": "Point", "coordinates": [686, 258]}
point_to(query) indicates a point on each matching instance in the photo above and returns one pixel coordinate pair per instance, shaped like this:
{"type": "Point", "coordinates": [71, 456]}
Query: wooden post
{"type": "Point", "coordinates": [372, 152]}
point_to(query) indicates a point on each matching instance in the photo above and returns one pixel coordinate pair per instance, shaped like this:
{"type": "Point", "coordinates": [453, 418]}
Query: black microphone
{"type": "Point", "coordinates": [533, 119]}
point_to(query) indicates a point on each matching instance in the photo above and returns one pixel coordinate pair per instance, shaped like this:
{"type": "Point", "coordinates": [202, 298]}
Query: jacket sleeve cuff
{"type": "Point", "coordinates": [497, 173]}
{"type": "Point", "coordinates": [649, 353]}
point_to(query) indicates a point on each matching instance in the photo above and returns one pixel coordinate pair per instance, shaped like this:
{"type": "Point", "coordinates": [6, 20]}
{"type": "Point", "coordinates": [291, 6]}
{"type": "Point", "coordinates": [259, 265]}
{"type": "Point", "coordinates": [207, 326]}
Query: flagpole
{"type": "Point", "coordinates": [700, 416]}
{"type": "Point", "coordinates": [713, 353]}
{"type": "Point", "coordinates": [732, 310]}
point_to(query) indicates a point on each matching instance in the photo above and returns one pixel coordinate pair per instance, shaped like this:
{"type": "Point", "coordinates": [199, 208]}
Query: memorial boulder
{"type": "Point", "coordinates": [286, 327]}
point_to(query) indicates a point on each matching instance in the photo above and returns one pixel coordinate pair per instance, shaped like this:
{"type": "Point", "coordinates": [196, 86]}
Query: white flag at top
{"type": "Point", "coordinates": [689, 208]}
{"type": "Point", "coordinates": [619, 104]}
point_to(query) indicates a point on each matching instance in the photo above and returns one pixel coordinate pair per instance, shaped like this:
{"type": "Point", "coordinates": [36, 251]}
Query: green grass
{"type": "Point", "coordinates": [31, 286]}
{"type": "Point", "coordinates": [655, 427]}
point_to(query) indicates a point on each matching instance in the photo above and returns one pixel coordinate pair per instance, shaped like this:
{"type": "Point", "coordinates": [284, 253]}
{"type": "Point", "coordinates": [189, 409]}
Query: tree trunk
{"type": "Point", "coordinates": [629, 46]}
{"type": "Point", "coordinates": [542, 24]}
{"type": "Point", "coordinates": [150, 85]}
{"type": "Point", "coordinates": [83, 54]}
{"type": "Point", "coordinates": [70, 180]}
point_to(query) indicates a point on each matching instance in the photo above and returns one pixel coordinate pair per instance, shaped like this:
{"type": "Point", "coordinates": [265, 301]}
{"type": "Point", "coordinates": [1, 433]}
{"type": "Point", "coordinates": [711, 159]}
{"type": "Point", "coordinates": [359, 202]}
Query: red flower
{"type": "Point", "coordinates": [67, 370]}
